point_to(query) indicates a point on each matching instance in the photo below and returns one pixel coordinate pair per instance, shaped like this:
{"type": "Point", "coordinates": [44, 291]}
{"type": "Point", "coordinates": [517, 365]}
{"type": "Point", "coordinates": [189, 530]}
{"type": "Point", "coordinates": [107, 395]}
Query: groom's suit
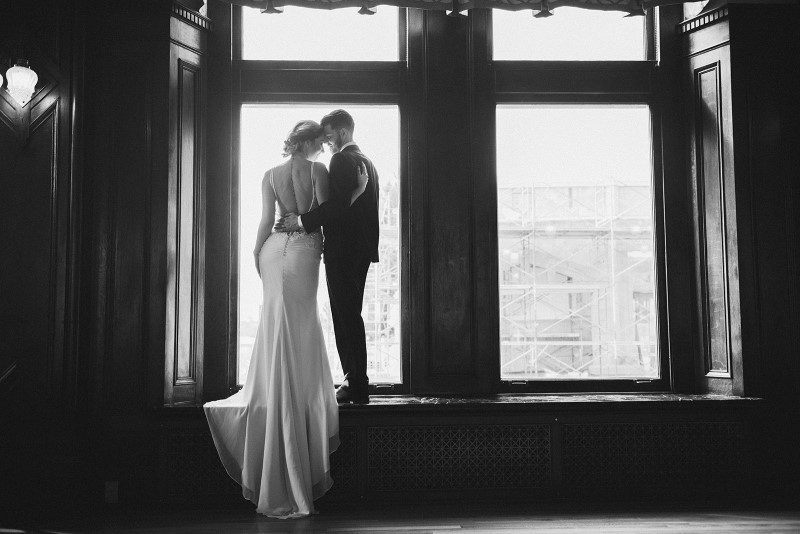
{"type": "Point", "coordinates": [351, 244]}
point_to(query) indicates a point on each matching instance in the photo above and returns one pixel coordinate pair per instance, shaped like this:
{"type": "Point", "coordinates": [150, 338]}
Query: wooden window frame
{"type": "Point", "coordinates": [604, 82]}
{"type": "Point", "coordinates": [446, 65]}
{"type": "Point", "coordinates": [301, 82]}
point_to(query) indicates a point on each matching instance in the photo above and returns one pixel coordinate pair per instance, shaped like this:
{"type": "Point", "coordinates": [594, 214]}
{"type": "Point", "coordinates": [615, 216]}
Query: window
{"type": "Point", "coordinates": [300, 34]}
{"type": "Point", "coordinates": [579, 283]}
{"type": "Point", "coordinates": [305, 78]}
{"type": "Point", "coordinates": [522, 220]}
{"type": "Point", "coordinates": [263, 129]}
{"type": "Point", "coordinates": [575, 233]}
{"type": "Point", "coordinates": [572, 34]}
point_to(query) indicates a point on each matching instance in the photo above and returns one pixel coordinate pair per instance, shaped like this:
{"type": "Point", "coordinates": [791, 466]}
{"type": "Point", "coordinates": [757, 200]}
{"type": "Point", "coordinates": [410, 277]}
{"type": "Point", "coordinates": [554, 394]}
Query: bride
{"type": "Point", "coordinates": [275, 435]}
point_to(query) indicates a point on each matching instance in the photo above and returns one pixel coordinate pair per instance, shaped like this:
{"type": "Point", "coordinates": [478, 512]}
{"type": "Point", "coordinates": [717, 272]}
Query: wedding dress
{"type": "Point", "coordinates": [275, 435]}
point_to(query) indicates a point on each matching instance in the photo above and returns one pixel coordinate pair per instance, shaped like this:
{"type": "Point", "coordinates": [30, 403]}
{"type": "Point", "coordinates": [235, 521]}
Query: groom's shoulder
{"type": "Point", "coordinates": [348, 156]}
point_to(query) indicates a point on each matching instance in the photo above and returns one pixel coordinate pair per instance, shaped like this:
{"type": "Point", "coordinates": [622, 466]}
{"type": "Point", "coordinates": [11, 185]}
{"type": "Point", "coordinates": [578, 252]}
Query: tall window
{"type": "Point", "coordinates": [571, 107]}
{"type": "Point", "coordinates": [577, 276]}
{"type": "Point", "coordinates": [575, 233]}
{"type": "Point", "coordinates": [300, 34]}
{"type": "Point", "coordinates": [268, 114]}
{"type": "Point", "coordinates": [573, 34]}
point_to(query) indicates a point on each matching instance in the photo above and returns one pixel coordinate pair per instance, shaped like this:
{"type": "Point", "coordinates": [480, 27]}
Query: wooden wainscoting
{"type": "Point", "coordinates": [551, 447]}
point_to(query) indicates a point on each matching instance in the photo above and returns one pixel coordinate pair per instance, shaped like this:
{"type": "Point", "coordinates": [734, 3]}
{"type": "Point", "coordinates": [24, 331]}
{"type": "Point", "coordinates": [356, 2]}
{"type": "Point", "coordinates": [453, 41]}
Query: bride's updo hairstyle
{"type": "Point", "coordinates": [302, 131]}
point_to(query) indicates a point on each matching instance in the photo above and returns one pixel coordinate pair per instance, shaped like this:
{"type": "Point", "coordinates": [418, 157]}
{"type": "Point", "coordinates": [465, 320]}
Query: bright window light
{"type": "Point", "coordinates": [377, 132]}
{"type": "Point", "coordinates": [575, 233]}
{"type": "Point", "coordinates": [306, 34]}
{"type": "Point", "coordinates": [571, 34]}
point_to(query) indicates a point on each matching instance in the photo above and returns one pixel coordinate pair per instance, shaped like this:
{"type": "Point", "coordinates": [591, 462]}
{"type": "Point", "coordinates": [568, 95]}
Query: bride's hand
{"type": "Point", "coordinates": [363, 176]}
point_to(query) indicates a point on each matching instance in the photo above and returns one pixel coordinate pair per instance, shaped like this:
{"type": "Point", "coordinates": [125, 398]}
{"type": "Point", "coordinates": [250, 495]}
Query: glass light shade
{"type": "Point", "coordinates": [21, 82]}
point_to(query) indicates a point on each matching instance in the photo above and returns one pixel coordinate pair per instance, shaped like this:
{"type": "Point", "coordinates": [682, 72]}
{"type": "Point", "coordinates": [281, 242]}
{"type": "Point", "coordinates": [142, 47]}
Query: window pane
{"type": "Point", "coordinates": [571, 34]}
{"type": "Point", "coordinates": [263, 129]}
{"type": "Point", "coordinates": [575, 225]}
{"type": "Point", "coordinates": [316, 34]}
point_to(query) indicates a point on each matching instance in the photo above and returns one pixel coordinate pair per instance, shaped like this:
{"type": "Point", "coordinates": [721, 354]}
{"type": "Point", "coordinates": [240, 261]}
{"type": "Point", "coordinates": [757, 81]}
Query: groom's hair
{"type": "Point", "coordinates": [338, 118]}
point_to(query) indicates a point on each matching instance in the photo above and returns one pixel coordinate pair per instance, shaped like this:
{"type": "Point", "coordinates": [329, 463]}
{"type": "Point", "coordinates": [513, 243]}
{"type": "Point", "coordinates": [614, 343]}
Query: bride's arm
{"type": "Point", "coordinates": [323, 185]}
{"type": "Point", "coordinates": [322, 182]}
{"type": "Point", "coordinates": [363, 178]}
{"type": "Point", "coordinates": [267, 217]}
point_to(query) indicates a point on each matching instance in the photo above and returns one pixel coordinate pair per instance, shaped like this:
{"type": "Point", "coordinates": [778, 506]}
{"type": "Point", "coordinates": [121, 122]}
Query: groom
{"type": "Point", "coordinates": [351, 244]}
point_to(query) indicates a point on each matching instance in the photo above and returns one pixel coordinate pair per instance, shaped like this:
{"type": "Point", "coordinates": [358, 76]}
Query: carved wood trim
{"type": "Point", "coordinates": [185, 67]}
{"type": "Point", "coordinates": [185, 231]}
{"type": "Point", "coordinates": [51, 113]}
{"type": "Point", "coordinates": [704, 19]}
{"type": "Point", "coordinates": [704, 154]}
{"type": "Point", "coordinates": [192, 17]}
{"type": "Point", "coordinates": [16, 117]}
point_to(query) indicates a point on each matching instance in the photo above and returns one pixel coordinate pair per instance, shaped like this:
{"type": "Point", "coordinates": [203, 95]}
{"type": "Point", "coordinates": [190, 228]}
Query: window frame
{"type": "Point", "coordinates": [653, 82]}
{"type": "Point", "coordinates": [593, 82]}
{"type": "Point", "coordinates": [292, 82]}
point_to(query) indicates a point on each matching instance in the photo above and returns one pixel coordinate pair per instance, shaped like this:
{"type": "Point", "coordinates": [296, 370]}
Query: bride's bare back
{"type": "Point", "coordinates": [300, 186]}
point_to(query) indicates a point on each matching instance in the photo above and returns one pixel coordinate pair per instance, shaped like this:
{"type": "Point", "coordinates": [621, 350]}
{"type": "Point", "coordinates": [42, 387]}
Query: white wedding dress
{"type": "Point", "coordinates": [275, 435]}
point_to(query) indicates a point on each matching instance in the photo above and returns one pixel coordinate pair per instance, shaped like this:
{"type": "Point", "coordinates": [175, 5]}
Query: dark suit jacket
{"type": "Point", "coordinates": [350, 231]}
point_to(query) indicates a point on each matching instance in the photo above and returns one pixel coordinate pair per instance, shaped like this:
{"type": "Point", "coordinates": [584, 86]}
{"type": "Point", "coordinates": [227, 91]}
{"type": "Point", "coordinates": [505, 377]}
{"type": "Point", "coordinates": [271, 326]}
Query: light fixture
{"type": "Point", "coordinates": [544, 10]}
{"type": "Point", "coordinates": [21, 81]}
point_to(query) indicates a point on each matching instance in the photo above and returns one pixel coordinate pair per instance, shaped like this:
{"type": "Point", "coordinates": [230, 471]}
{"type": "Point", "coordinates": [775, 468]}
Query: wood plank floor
{"type": "Point", "coordinates": [445, 519]}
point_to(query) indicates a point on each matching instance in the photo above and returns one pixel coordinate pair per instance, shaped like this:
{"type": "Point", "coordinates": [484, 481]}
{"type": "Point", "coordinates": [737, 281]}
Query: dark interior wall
{"type": "Point", "coordinates": [766, 82]}
{"type": "Point", "coordinates": [83, 179]}
{"type": "Point", "coordinates": [768, 136]}
{"type": "Point", "coordinates": [40, 237]}
{"type": "Point", "coordinates": [123, 268]}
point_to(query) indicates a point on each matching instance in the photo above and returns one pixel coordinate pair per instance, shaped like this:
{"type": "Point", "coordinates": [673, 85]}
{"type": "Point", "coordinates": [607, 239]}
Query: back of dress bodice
{"type": "Point", "coordinates": [296, 195]}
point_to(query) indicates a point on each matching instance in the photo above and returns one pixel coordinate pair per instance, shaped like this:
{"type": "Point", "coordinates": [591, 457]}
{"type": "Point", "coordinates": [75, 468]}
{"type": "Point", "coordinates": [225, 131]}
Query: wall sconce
{"type": "Point", "coordinates": [17, 92]}
{"type": "Point", "coordinates": [21, 82]}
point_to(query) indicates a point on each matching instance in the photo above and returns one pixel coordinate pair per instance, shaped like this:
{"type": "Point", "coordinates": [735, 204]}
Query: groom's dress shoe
{"type": "Point", "coordinates": [347, 395]}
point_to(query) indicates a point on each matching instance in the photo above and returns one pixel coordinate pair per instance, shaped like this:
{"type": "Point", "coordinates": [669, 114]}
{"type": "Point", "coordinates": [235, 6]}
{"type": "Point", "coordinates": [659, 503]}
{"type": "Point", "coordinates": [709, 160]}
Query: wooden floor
{"type": "Point", "coordinates": [447, 519]}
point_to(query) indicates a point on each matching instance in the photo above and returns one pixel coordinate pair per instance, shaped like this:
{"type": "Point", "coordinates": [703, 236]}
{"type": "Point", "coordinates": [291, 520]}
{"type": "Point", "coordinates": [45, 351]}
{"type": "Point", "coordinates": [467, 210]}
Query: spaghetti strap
{"type": "Point", "coordinates": [313, 189]}
{"type": "Point", "coordinates": [275, 192]}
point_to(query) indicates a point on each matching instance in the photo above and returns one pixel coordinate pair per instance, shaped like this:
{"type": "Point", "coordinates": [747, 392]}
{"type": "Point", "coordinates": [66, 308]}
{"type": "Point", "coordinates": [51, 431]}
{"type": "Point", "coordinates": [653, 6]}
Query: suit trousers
{"type": "Point", "coordinates": [346, 277]}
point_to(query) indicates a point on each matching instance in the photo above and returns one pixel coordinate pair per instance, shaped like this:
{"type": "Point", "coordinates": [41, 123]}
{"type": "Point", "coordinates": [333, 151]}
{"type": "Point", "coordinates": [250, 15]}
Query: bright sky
{"type": "Point", "coordinates": [312, 34]}
{"type": "Point", "coordinates": [570, 34]}
{"type": "Point", "coordinates": [315, 34]}
{"type": "Point", "coordinates": [536, 145]}
{"type": "Point", "coordinates": [573, 145]}
{"type": "Point", "coordinates": [264, 127]}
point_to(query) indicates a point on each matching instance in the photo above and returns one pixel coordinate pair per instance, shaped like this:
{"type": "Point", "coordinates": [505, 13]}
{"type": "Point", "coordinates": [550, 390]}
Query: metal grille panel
{"type": "Point", "coordinates": [642, 455]}
{"type": "Point", "coordinates": [452, 457]}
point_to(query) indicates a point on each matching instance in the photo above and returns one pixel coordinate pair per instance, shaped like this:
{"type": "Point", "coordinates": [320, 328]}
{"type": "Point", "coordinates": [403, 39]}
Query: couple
{"type": "Point", "coordinates": [275, 435]}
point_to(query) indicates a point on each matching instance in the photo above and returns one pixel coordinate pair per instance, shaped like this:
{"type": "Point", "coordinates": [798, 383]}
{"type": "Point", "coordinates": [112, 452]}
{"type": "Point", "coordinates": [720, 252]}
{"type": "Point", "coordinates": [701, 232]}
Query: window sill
{"type": "Point", "coordinates": [531, 402]}
{"type": "Point", "coordinates": [506, 402]}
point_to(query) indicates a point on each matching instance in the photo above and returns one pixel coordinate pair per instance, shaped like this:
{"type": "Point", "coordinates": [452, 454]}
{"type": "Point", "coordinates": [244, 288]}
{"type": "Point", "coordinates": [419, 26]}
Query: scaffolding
{"type": "Point", "coordinates": [576, 282]}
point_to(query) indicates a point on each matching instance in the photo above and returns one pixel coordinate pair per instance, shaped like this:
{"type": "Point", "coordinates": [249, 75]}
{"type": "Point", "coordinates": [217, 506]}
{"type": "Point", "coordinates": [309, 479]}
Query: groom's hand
{"type": "Point", "coordinates": [289, 222]}
{"type": "Point", "coordinates": [279, 224]}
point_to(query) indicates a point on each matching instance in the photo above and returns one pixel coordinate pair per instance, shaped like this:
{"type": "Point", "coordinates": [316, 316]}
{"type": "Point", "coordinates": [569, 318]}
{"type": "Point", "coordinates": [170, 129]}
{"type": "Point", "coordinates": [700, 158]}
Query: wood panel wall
{"type": "Point", "coordinates": [186, 214]}
{"type": "Point", "coordinates": [453, 323]}
{"type": "Point", "coordinates": [715, 216]}
{"type": "Point", "coordinates": [40, 243]}
{"type": "Point", "coordinates": [742, 69]}
{"type": "Point", "coordinates": [741, 122]}
{"type": "Point", "coordinates": [100, 195]}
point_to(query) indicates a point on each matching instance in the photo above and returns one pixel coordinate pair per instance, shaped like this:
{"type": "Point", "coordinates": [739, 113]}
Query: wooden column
{"type": "Point", "coordinates": [454, 323]}
{"type": "Point", "coordinates": [183, 374]}
{"type": "Point", "coordinates": [743, 123]}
